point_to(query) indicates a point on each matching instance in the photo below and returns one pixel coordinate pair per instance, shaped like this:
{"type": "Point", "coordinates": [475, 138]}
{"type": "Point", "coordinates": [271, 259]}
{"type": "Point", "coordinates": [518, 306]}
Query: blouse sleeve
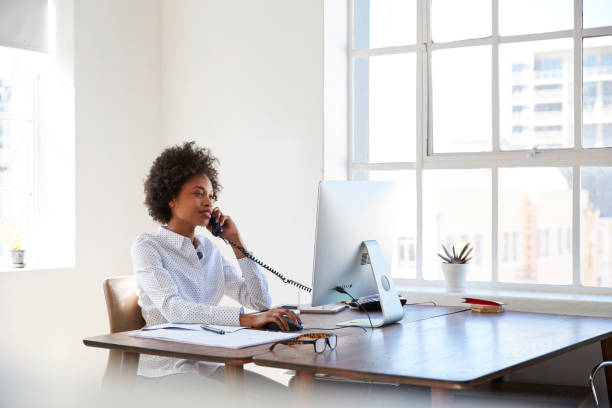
{"type": "Point", "coordinates": [250, 289]}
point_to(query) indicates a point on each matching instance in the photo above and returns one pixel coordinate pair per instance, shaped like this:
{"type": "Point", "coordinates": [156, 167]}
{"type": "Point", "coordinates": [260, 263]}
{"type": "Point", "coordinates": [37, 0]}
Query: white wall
{"type": "Point", "coordinates": [46, 314]}
{"type": "Point", "coordinates": [245, 78]}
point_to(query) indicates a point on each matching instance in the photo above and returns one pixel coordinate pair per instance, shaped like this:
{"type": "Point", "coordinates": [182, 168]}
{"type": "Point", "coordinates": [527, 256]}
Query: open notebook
{"type": "Point", "coordinates": [234, 337]}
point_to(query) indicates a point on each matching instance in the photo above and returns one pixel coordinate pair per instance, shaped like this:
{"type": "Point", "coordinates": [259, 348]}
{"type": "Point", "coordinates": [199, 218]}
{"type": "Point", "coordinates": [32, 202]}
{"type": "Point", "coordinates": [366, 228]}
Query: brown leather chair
{"type": "Point", "coordinates": [123, 314]}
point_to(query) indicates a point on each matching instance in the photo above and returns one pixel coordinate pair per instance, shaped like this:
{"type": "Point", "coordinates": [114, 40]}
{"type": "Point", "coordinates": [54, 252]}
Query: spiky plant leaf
{"type": "Point", "coordinates": [446, 252]}
{"type": "Point", "coordinates": [463, 250]}
{"type": "Point", "coordinates": [445, 258]}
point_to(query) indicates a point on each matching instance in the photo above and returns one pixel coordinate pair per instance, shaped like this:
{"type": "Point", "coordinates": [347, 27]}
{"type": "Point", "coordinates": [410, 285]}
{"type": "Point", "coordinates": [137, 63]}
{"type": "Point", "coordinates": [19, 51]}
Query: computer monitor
{"type": "Point", "coordinates": [353, 244]}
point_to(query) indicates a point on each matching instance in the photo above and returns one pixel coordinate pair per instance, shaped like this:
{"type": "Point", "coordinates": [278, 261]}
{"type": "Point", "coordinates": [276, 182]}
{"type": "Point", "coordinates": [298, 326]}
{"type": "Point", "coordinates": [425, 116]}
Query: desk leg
{"type": "Point", "coordinates": [304, 381]}
{"type": "Point", "coordinates": [234, 378]}
{"type": "Point", "coordinates": [441, 397]}
{"type": "Point", "coordinates": [606, 352]}
{"type": "Point", "coordinates": [128, 369]}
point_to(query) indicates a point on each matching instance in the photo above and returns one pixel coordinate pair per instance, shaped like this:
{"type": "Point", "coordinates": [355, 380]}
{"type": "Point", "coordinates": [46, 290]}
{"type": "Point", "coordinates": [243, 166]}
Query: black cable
{"type": "Point", "coordinates": [340, 289]}
{"type": "Point", "coordinates": [263, 265]}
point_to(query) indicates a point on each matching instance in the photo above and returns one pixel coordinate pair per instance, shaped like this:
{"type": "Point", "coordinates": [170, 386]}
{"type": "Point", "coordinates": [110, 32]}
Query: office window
{"type": "Point", "coordinates": [595, 13]}
{"type": "Point", "coordinates": [461, 109]}
{"type": "Point", "coordinates": [537, 200]}
{"type": "Point", "coordinates": [452, 20]}
{"type": "Point", "coordinates": [551, 87]}
{"type": "Point", "coordinates": [492, 139]}
{"type": "Point", "coordinates": [607, 93]}
{"type": "Point", "coordinates": [456, 206]}
{"type": "Point", "coordinates": [545, 107]}
{"type": "Point", "coordinates": [385, 95]}
{"type": "Point", "coordinates": [17, 100]}
{"type": "Point", "coordinates": [589, 135]}
{"type": "Point", "coordinates": [546, 101]}
{"type": "Point", "coordinates": [589, 94]}
{"type": "Point", "coordinates": [36, 160]}
{"type": "Point", "coordinates": [596, 220]}
{"type": "Point", "coordinates": [597, 91]}
{"type": "Point", "coordinates": [606, 134]}
{"type": "Point", "coordinates": [403, 264]}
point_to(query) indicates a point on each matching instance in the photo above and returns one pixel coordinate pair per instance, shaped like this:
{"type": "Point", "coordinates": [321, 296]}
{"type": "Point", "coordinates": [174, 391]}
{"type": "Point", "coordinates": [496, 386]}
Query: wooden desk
{"type": "Point", "coordinates": [234, 360]}
{"type": "Point", "coordinates": [454, 351]}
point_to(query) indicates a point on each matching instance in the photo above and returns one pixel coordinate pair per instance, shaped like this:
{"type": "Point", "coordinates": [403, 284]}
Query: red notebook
{"type": "Point", "coordinates": [475, 301]}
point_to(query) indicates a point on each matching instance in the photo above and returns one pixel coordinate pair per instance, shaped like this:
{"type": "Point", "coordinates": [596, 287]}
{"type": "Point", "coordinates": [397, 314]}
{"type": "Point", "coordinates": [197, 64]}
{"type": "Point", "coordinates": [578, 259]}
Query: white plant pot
{"type": "Point", "coordinates": [17, 258]}
{"type": "Point", "coordinates": [455, 276]}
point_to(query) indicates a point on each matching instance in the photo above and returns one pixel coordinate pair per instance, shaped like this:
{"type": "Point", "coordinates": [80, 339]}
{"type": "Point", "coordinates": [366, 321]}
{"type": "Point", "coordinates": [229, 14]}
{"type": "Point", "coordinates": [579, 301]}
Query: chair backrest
{"type": "Point", "coordinates": [122, 304]}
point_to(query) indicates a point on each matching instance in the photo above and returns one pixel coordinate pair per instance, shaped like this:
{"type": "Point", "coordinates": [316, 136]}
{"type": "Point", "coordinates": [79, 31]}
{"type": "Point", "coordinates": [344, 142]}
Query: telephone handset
{"type": "Point", "coordinates": [217, 230]}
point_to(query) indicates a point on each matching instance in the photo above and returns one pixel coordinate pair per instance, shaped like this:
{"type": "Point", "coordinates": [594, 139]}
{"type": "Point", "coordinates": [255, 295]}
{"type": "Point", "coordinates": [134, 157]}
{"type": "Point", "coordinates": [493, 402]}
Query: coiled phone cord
{"type": "Point", "coordinates": [263, 265]}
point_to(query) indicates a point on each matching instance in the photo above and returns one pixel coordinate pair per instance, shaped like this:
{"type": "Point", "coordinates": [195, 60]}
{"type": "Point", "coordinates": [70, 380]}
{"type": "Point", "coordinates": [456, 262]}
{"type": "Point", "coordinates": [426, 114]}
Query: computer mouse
{"type": "Point", "coordinates": [292, 326]}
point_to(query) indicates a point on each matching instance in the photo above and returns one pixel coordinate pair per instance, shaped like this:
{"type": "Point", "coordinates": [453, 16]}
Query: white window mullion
{"type": "Point", "coordinates": [495, 224]}
{"type": "Point", "coordinates": [350, 103]}
{"type": "Point", "coordinates": [576, 185]}
{"type": "Point", "coordinates": [36, 156]}
{"type": "Point", "coordinates": [495, 78]}
{"type": "Point", "coordinates": [384, 166]}
{"type": "Point", "coordinates": [576, 281]}
{"type": "Point", "coordinates": [372, 52]}
{"type": "Point", "coordinates": [577, 75]}
{"type": "Point", "coordinates": [428, 77]}
{"type": "Point", "coordinates": [421, 127]}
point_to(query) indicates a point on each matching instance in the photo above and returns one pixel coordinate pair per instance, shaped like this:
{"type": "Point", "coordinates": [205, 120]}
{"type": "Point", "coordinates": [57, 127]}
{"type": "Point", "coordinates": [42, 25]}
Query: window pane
{"type": "Point", "coordinates": [461, 87]}
{"type": "Point", "coordinates": [535, 210]}
{"type": "Point", "coordinates": [404, 253]}
{"type": "Point", "coordinates": [596, 13]}
{"type": "Point", "coordinates": [453, 20]}
{"type": "Point", "coordinates": [535, 16]}
{"type": "Point", "coordinates": [597, 92]}
{"type": "Point", "coordinates": [15, 179]}
{"type": "Point", "coordinates": [596, 226]}
{"type": "Point", "coordinates": [384, 23]}
{"type": "Point", "coordinates": [456, 210]}
{"type": "Point", "coordinates": [16, 81]}
{"type": "Point", "coordinates": [541, 114]}
{"type": "Point", "coordinates": [385, 108]}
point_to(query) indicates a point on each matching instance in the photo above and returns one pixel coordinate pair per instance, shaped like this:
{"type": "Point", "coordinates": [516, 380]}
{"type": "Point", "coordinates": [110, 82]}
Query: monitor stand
{"type": "Point", "coordinates": [390, 304]}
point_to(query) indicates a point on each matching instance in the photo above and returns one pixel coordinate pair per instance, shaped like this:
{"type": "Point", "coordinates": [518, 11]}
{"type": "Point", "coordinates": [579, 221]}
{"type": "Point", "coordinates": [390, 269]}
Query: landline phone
{"type": "Point", "coordinates": [217, 230]}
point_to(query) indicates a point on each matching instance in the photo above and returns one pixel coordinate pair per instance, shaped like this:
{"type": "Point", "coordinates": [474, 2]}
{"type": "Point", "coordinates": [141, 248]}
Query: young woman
{"type": "Point", "coordinates": [181, 277]}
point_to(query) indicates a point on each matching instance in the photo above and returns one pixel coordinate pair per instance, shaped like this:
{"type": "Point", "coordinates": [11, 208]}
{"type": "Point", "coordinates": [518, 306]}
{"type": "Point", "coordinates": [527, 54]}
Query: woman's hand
{"type": "Point", "coordinates": [230, 231]}
{"type": "Point", "coordinates": [272, 315]}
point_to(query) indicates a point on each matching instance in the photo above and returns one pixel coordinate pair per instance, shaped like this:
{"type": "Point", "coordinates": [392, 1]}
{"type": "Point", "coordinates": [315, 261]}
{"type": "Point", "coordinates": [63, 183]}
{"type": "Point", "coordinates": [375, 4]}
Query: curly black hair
{"type": "Point", "coordinates": [172, 168]}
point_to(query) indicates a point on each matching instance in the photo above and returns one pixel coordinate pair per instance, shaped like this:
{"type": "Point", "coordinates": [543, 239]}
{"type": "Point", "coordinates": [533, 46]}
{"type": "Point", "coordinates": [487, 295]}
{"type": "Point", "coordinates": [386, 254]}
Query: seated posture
{"type": "Point", "coordinates": [181, 277]}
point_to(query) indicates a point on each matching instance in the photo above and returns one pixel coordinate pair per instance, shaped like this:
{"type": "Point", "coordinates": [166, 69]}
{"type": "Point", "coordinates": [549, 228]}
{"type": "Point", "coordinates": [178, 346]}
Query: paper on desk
{"type": "Point", "coordinates": [235, 340]}
{"type": "Point", "coordinates": [193, 326]}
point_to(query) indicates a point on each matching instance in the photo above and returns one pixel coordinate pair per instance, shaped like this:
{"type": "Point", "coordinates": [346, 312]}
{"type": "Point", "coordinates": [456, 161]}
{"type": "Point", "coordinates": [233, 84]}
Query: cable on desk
{"type": "Point", "coordinates": [335, 328]}
{"type": "Point", "coordinates": [340, 289]}
{"type": "Point", "coordinates": [421, 303]}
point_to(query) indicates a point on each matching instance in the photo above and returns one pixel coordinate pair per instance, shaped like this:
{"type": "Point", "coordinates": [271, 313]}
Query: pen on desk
{"type": "Point", "coordinates": [212, 329]}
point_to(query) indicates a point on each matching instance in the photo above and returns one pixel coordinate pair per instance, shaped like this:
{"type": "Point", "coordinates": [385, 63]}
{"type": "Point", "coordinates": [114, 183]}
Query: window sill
{"type": "Point", "coordinates": [522, 301]}
{"type": "Point", "coordinates": [4, 268]}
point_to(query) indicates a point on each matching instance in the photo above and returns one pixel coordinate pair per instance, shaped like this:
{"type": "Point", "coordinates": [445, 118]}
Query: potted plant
{"type": "Point", "coordinates": [11, 235]}
{"type": "Point", "coordinates": [455, 267]}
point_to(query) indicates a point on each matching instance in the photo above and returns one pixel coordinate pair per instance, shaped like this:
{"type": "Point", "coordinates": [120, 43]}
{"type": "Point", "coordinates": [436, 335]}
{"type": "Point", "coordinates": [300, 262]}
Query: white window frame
{"type": "Point", "coordinates": [574, 157]}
